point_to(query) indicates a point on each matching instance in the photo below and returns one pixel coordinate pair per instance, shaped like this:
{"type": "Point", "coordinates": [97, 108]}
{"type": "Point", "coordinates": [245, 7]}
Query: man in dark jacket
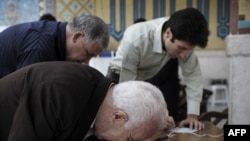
{"type": "Point", "coordinates": [40, 41]}
{"type": "Point", "coordinates": [59, 101]}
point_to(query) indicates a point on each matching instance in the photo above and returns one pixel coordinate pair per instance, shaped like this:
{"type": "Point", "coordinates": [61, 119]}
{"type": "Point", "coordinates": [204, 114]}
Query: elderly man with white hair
{"type": "Point", "coordinates": [60, 101]}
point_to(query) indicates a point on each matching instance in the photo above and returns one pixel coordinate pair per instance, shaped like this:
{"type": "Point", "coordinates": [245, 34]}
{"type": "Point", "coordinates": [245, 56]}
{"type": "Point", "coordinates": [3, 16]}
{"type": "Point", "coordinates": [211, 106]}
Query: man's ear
{"type": "Point", "coordinates": [119, 117]}
{"type": "Point", "coordinates": [76, 35]}
{"type": "Point", "coordinates": [168, 33]}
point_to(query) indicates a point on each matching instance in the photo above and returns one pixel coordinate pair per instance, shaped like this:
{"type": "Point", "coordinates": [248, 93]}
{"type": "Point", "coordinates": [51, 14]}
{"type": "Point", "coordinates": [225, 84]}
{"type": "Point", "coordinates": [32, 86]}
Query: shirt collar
{"type": "Point", "coordinates": [157, 44]}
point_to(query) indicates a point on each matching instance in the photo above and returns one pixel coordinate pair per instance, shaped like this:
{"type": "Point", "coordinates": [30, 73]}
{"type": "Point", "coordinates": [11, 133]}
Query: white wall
{"type": "Point", "coordinates": [239, 80]}
{"type": "Point", "coordinates": [214, 65]}
{"type": "Point", "coordinates": [100, 63]}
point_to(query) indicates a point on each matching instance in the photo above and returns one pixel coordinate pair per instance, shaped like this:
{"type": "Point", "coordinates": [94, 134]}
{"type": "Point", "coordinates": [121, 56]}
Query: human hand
{"type": "Point", "coordinates": [170, 122]}
{"type": "Point", "coordinates": [192, 122]}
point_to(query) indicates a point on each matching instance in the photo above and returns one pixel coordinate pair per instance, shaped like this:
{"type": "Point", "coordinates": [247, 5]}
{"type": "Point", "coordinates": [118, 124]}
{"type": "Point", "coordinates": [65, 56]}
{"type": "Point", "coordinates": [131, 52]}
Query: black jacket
{"type": "Point", "coordinates": [27, 43]}
{"type": "Point", "coordinates": [52, 101]}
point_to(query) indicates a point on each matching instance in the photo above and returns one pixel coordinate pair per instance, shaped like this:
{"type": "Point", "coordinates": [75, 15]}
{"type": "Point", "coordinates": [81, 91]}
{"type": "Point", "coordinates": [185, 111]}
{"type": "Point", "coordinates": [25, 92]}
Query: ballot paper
{"type": "Point", "coordinates": [182, 130]}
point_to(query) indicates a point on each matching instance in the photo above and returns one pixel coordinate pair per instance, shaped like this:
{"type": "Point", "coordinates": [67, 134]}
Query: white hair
{"type": "Point", "coordinates": [142, 102]}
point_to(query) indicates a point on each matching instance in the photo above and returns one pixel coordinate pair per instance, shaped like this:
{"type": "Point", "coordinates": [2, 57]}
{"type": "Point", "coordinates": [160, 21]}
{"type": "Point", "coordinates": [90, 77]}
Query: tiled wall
{"type": "Point", "coordinates": [67, 9]}
{"type": "Point", "coordinates": [18, 11]}
{"type": "Point", "coordinates": [119, 14]}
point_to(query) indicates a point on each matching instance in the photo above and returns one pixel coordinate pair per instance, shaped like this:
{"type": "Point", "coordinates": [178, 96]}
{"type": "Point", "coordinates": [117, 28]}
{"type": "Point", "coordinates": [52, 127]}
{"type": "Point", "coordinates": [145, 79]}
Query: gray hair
{"type": "Point", "coordinates": [94, 28]}
{"type": "Point", "coordinates": [142, 102]}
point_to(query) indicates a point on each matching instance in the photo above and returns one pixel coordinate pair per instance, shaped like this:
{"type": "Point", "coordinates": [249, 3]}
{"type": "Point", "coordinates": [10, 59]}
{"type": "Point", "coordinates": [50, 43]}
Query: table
{"type": "Point", "coordinates": [201, 135]}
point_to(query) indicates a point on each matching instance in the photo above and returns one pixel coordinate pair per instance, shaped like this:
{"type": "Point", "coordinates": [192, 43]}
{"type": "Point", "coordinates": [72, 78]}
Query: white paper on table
{"type": "Point", "coordinates": [183, 130]}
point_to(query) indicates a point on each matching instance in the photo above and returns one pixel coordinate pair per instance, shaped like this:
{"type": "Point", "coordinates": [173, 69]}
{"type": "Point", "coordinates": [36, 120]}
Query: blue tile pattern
{"type": "Point", "coordinates": [67, 9]}
{"type": "Point", "coordinates": [18, 11]}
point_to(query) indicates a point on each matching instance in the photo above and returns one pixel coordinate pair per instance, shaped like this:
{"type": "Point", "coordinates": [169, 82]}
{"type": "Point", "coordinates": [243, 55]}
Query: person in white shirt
{"type": "Point", "coordinates": [150, 49]}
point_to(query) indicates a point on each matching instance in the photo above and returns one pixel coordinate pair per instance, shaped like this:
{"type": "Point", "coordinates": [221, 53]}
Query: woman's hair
{"type": "Point", "coordinates": [93, 27]}
{"type": "Point", "coordinates": [142, 102]}
{"type": "Point", "coordinates": [188, 25]}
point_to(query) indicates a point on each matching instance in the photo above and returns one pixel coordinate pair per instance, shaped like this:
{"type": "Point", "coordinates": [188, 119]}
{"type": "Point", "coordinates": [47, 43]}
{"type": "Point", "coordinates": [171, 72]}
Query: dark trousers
{"type": "Point", "coordinates": [167, 80]}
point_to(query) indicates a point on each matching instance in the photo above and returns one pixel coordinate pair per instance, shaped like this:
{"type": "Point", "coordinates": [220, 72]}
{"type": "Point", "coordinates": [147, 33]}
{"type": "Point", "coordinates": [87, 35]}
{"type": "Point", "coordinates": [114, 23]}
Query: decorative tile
{"type": "Point", "coordinates": [18, 11]}
{"type": "Point", "coordinates": [66, 9]}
